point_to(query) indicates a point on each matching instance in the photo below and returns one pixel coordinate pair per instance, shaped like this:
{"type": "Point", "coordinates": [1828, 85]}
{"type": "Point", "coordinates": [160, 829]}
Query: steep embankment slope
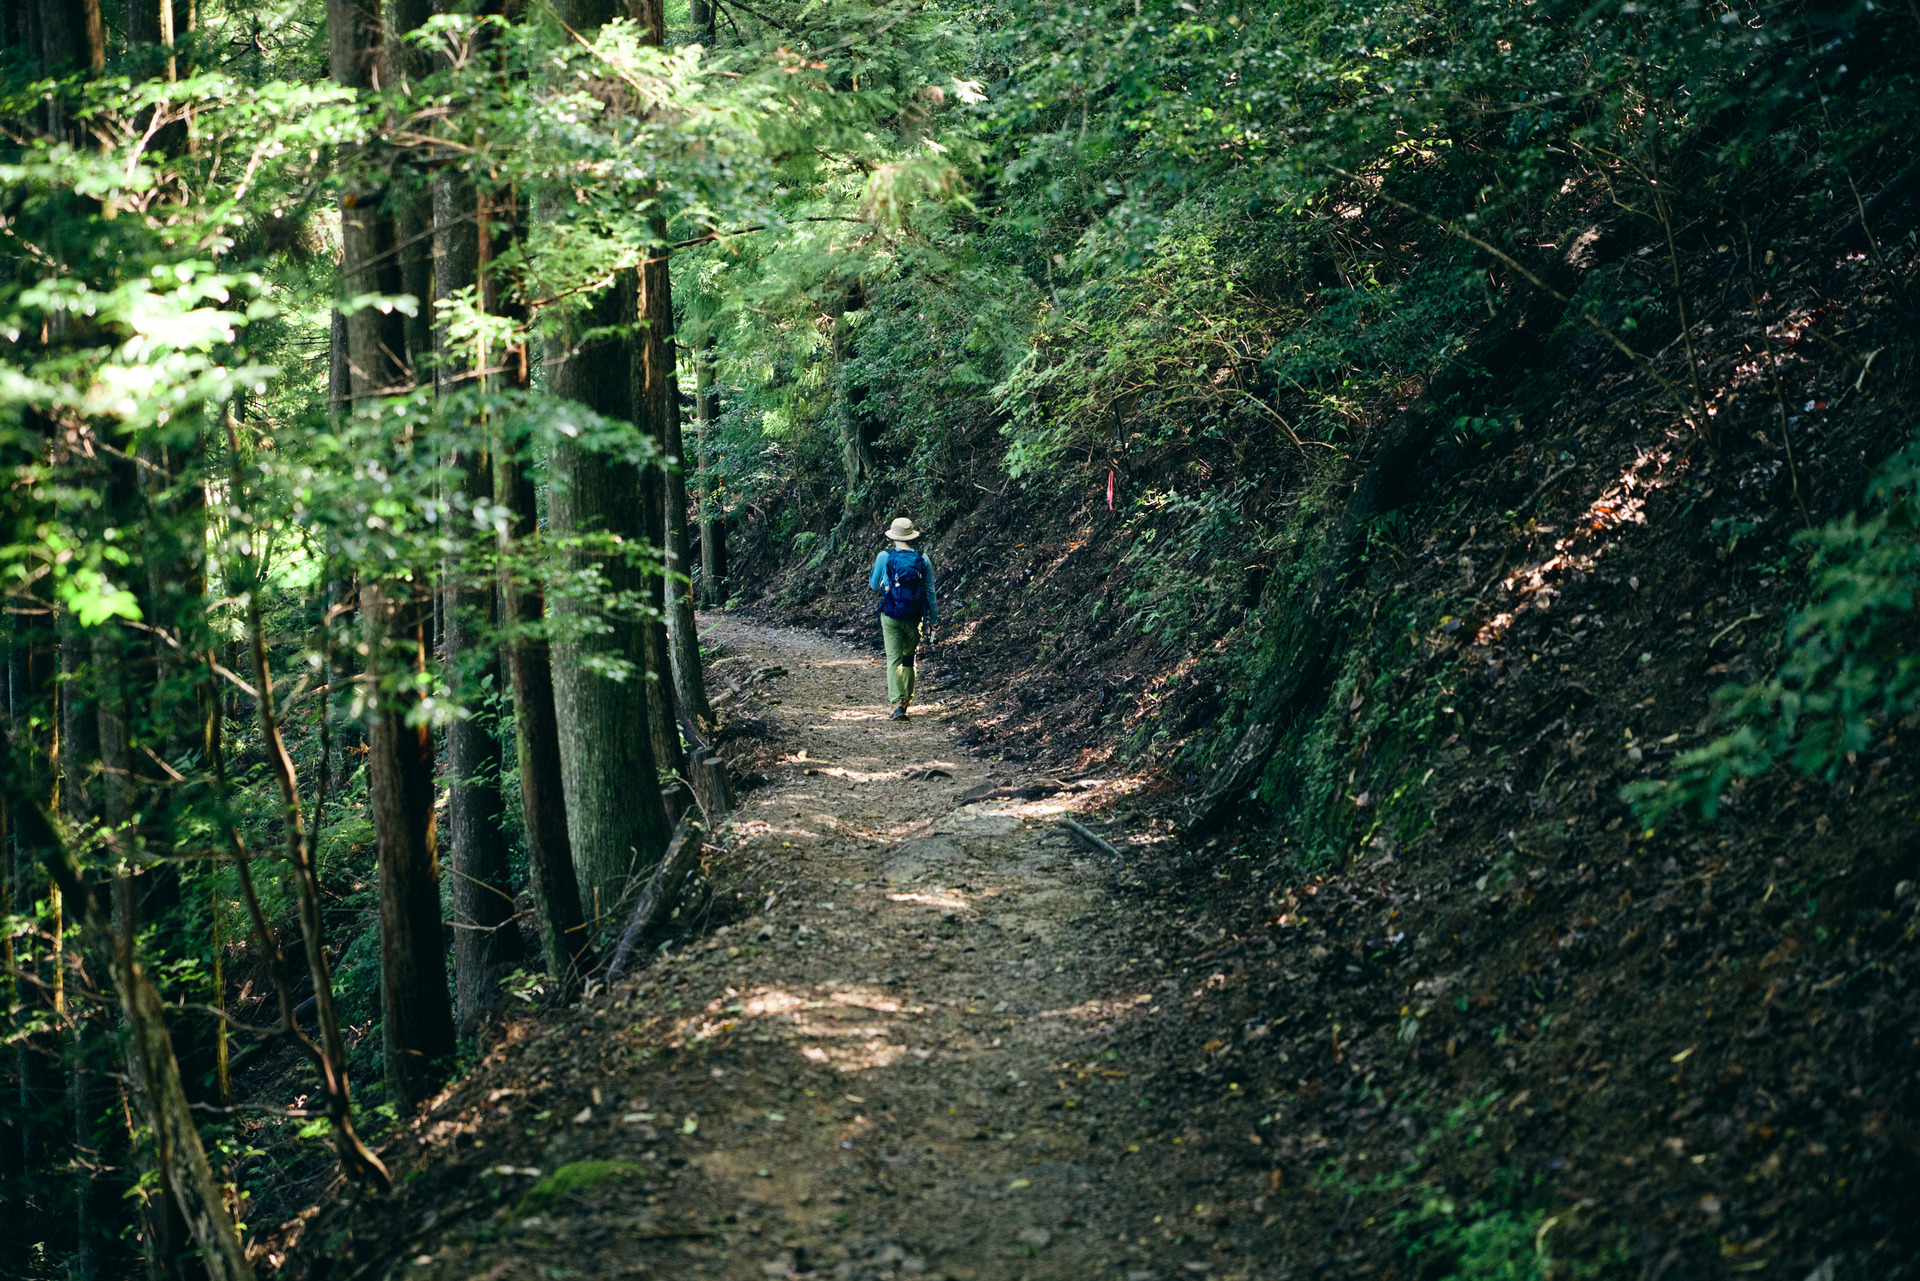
{"type": "Point", "coordinates": [1493, 999]}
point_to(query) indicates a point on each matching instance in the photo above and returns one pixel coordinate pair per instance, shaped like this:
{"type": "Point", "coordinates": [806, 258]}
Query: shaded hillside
{"type": "Point", "coordinates": [1484, 1004]}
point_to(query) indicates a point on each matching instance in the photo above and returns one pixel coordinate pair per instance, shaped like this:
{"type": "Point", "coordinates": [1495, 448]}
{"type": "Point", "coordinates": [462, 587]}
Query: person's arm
{"type": "Point", "coordinates": [878, 578]}
{"type": "Point", "coordinates": [933, 602]}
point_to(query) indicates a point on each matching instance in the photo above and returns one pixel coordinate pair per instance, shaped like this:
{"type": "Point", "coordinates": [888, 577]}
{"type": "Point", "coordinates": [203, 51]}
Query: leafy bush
{"type": "Point", "coordinates": [1497, 1245]}
{"type": "Point", "coordinates": [1851, 669]}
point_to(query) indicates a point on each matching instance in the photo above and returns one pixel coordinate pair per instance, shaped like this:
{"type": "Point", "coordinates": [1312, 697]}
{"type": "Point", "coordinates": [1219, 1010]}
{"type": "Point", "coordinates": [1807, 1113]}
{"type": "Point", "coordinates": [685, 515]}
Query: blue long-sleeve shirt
{"type": "Point", "coordinates": [878, 581]}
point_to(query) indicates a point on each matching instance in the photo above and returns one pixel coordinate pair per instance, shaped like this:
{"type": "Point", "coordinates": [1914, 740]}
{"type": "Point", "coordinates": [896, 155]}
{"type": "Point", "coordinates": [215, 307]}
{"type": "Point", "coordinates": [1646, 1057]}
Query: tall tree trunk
{"type": "Point", "coordinates": [217, 981]}
{"type": "Point", "coordinates": [485, 940]}
{"type": "Point", "coordinates": [17, 768]}
{"type": "Point", "coordinates": [416, 1011]}
{"type": "Point", "coordinates": [616, 822]}
{"type": "Point", "coordinates": [72, 36]}
{"type": "Point", "coordinates": [713, 521]}
{"type": "Point", "coordinates": [149, 24]}
{"type": "Point", "coordinates": [342, 735]}
{"type": "Point", "coordinates": [669, 757]}
{"type": "Point", "coordinates": [25, 33]}
{"type": "Point", "coordinates": [416, 1014]}
{"type": "Point", "coordinates": [415, 240]}
{"type": "Point", "coordinates": [689, 680]}
{"type": "Point", "coordinates": [77, 756]}
{"type": "Point", "coordinates": [376, 340]}
{"type": "Point", "coordinates": [77, 761]}
{"type": "Point", "coordinates": [339, 366]}
{"type": "Point", "coordinates": [79, 725]}
{"type": "Point", "coordinates": [536, 734]}
{"type": "Point", "coordinates": [556, 891]}
{"type": "Point", "coordinates": [656, 414]}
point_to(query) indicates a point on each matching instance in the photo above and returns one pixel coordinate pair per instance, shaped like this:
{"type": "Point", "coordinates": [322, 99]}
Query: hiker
{"type": "Point", "coordinates": [904, 578]}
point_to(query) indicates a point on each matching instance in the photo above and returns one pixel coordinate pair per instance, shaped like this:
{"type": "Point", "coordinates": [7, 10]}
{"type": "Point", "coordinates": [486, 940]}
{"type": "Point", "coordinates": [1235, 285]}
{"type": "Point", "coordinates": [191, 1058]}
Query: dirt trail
{"type": "Point", "coordinates": [903, 1065]}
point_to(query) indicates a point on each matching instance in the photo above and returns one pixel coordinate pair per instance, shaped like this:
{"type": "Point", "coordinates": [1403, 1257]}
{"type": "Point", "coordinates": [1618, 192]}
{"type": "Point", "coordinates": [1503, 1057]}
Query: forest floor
{"type": "Point", "coordinates": [902, 1062]}
{"type": "Point", "coordinates": [909, 1034]}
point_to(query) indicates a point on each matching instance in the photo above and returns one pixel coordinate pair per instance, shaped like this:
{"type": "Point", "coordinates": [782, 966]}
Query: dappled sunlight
{"type": "Point", "coordinates": [1051, 808]}
{"type": "Point", "coordinates": [1089, 794]}
{"type": "Point", "coordinates": [831, 1029]}
{"type": "Point", "coordinates": [1103, 1012]}
{"type": "Point", "coordinates": [952, 901]}
{"type": "Point", "coordinates": [861, 776]}
{"type": "Point", "coordinates": [877, 1001]}
{"type": "Point", "coordinates": [1231, 909]}
{"type": "Point", "coordinates": [753, 829]}
{"type": "Point", "coordinates": [886, 776]}
{"type": "Point", "coordinates": [873, 1054]}
{"type": "Point", "coordinates": [1578, 550]}
{"type": "Point", "coordinates": [846, 1028]}
{"type": "Point", "coordinates": [774, 1002]}
{"type": "Point", "coordinates": [880, 712]}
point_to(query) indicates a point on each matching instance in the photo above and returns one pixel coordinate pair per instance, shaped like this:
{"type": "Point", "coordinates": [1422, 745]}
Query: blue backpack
{"type": "Point", "coordinates": [906, 594]}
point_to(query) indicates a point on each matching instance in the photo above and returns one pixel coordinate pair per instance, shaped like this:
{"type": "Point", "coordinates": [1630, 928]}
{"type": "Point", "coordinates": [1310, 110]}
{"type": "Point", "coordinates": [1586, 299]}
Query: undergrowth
{"type": "Point", "coordinates": [1850, 672]}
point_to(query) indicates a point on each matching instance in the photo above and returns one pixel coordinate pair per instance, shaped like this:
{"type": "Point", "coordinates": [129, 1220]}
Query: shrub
{"type": "Point", "coordinates": [1850, 671]}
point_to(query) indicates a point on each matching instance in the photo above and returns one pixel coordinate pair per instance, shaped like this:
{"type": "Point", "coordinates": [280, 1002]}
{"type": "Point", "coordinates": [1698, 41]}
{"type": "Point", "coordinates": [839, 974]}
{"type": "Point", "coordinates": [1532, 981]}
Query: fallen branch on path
{"type": "Point", "coordinates": [1021, 792]}
{"type": "Point", "coordinates": [924, 773]}
{"type": "Point", "coordinates": [1085, 839]}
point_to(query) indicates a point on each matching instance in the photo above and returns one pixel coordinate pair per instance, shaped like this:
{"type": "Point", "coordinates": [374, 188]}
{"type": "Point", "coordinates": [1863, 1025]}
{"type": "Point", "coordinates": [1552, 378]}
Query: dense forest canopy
{"type": "Point", "coordinates": [384, 387]}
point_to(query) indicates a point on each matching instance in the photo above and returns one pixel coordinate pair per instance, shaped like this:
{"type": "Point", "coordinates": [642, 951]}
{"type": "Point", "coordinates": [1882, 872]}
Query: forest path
{"type": "Point", "coordinates": [900, 1067]}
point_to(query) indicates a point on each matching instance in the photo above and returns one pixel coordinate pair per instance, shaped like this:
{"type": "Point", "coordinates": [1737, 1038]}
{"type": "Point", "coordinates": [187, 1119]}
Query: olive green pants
{"type": "Point", "coordinates": [902, 638]}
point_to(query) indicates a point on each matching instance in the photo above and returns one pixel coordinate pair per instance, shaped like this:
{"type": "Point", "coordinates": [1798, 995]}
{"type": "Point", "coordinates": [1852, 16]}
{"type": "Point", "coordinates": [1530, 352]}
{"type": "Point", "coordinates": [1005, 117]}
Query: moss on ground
{"type": "Point", "coordinates": [567, 1181]}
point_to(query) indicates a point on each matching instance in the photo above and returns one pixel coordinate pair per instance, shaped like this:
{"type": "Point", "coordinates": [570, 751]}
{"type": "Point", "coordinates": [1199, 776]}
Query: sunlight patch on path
{"type": "Point", "coordinates": [888, 776]}
{"type": "Point", "coordinates": [753, 829]}
{"type": "Point", "coordinates": [841, 1031]}
{"type": "Point", "coordinates": [951, 900]}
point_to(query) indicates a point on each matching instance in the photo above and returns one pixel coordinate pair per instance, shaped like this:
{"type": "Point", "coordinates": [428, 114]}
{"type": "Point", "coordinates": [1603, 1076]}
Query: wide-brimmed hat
{"type": "Point", "coordinates": [902, 530]}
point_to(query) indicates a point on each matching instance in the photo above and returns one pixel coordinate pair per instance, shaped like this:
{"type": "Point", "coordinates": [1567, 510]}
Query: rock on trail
{"type": "Point", "coordinates": [903, 1065]}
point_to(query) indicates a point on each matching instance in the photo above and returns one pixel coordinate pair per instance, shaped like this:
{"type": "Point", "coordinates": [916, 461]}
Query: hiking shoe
{"type": "Point", "coordinates": [899, 713]}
